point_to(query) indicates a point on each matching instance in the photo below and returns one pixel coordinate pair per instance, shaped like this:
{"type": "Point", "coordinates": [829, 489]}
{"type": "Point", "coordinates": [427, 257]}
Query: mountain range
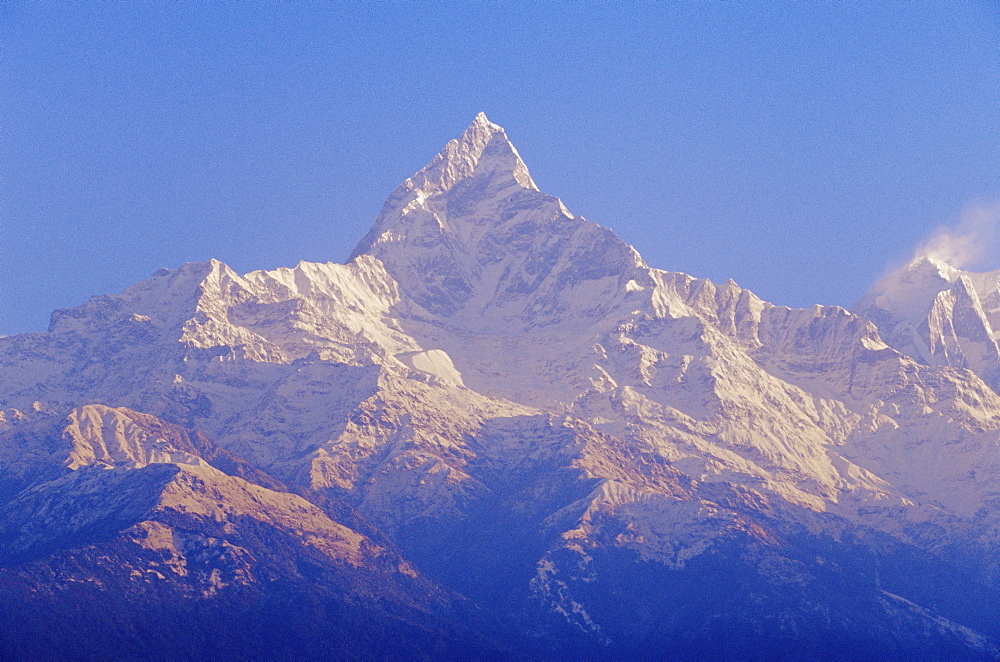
{"type": "Point", "coordinates": [496, 432]}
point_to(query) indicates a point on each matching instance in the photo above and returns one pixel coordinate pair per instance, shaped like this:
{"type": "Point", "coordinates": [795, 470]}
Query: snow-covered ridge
{"type": "Point", "coordinates": [473, 278]}
{"type": "Point", "coordinates": [486, 349]}
{"type": "Point", "coordinates": [940, 315]}
{"type": "Point", "coordinates": [483, 152]}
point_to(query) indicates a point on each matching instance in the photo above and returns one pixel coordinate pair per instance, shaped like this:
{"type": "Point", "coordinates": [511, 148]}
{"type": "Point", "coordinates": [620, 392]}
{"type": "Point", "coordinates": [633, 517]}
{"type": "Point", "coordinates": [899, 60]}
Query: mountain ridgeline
{"type": "Point", "coordinates": [497, 433]}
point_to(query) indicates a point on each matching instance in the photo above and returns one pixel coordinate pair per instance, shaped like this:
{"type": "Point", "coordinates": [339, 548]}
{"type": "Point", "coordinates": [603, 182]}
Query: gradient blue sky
{"type": "Point", "coordinates": [796, 147]}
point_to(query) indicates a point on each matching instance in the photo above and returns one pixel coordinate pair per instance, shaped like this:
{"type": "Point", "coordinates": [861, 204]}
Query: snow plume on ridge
{"type": "Point", "coordinates": [968, 242]}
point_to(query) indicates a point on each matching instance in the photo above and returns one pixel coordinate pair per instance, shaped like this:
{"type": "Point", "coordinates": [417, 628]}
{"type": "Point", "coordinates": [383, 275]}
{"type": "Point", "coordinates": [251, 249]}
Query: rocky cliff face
{"type": "Point", "coordinates": [497, 428]}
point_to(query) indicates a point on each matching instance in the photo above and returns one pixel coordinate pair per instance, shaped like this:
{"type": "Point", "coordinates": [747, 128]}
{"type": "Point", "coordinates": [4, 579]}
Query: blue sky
{"type": "Point", "coordinates": [798, 148]}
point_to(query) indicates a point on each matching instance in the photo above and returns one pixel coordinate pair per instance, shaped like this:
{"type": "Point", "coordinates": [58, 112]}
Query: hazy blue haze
{"type": "Point", "coordinates": [797, 148]}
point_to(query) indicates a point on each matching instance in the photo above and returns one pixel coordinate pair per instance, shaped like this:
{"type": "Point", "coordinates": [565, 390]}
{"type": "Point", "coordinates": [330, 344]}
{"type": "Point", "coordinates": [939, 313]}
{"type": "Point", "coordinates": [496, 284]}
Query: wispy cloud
{"type": "Point", "coordinates": [971, 242]}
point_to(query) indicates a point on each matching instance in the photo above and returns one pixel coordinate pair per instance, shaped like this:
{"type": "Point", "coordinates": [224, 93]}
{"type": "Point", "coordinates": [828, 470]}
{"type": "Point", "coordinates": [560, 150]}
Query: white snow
{"type": "Point", "coordinates": [479, 323]}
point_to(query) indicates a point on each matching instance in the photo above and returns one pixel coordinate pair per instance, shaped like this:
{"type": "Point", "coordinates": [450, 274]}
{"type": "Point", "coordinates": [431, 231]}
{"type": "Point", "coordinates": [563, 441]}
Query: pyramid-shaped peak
{"type": "Point", "coordinates": [483, 148]}
{"type": "Point", "coordinates": [482, 152]}
{"type": "Point", "coordinates": [932, 266]}
{"type": "Point", "coordinates": [483, 123]}
{"type": "Point", "coordinates": [480, 132]}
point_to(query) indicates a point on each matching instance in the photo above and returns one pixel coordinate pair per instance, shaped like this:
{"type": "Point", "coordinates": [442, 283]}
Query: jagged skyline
{"type": "Point", "coordinates": [499, 407]}
{"type": "Point", "coordinates": [709, 137]}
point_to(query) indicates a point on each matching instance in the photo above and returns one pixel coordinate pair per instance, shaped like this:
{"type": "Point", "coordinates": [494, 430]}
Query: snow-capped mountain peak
{"type": "Point", "coordinates": [482, 159]}
{"type": "Point", "coordinates": [472, 232]}
{"type": "Point", "coordinates": [512, 396]}
{"type": "Point", "coordinates": [482, 150]}
{"type": "Point", "coordinates": [906, 292]}
{"type": "Point", "coordinates": [939, 314]}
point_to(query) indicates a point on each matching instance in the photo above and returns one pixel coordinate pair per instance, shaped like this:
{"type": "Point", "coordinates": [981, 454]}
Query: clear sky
{"type": "Point", "coordinates": [798, 148]}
